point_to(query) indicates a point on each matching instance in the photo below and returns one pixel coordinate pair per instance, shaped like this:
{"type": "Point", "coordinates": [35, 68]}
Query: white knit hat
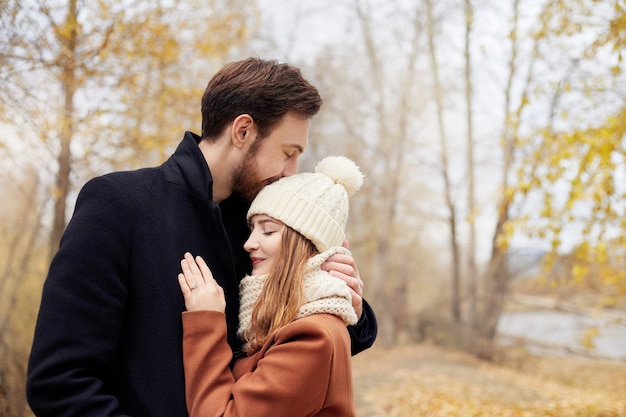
{"type": "Point", "coordinates": [314, 204]}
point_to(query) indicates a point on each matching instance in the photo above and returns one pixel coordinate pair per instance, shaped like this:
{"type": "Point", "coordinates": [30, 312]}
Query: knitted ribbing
{"type": "Point", "coordinates": [322, 293]}
{"type": "Point", "coordinates": [315, 204]}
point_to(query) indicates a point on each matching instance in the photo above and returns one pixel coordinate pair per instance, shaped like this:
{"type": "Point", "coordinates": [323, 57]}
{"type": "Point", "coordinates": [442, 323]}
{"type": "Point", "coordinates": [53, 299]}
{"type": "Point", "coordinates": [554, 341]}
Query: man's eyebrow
{"type": "Point", "coordinates": [297, 147]}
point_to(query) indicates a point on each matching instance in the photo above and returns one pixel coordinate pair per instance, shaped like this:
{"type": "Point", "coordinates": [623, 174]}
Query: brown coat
{"type": "Point", "coordinates": [302, 370]}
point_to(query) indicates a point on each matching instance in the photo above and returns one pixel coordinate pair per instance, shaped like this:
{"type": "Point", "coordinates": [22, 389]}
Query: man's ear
{"type": "Point", "coordinates": [243, 131]}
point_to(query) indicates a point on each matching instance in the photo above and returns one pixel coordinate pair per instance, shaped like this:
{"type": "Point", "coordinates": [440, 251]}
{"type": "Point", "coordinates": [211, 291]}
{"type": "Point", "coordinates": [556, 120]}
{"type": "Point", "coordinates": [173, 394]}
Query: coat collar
{"type": "Point", "coordinates": [188, 168]}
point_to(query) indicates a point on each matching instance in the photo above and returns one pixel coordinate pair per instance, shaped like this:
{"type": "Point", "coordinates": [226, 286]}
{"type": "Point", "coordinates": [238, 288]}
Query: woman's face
{"type": "Point", "coordinates": [265, 243]}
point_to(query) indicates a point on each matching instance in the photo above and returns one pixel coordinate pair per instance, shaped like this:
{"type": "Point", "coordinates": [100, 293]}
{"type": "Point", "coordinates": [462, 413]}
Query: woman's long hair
{"type": "Point", "coordinates": [282, 294]}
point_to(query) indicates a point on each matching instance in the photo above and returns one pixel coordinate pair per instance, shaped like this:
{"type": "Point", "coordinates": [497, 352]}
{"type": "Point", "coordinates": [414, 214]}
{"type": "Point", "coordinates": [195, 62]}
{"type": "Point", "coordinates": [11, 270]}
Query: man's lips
{"type": "Point", "coordinates": [270, 180]}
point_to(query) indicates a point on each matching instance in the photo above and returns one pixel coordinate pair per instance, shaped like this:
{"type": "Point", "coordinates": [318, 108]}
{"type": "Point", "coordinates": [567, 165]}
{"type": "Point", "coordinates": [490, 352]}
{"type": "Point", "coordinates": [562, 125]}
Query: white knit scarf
{"type": "Point", "coordinates": [322, 292]}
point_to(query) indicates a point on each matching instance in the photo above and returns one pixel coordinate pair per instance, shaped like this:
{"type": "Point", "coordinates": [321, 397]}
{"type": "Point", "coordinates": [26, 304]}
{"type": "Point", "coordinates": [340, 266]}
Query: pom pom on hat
{"type": "Point", "coordinates": [343, 171]}
{"type": "Point", "coordinates": [313, 203]}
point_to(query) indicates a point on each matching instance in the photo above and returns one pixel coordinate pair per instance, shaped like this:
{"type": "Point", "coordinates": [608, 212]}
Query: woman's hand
{"type": "Point", "coordinates": [200, 290]}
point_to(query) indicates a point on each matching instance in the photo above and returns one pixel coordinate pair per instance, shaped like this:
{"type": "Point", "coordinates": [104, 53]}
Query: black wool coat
{"type": "Point", "coordinates": [108, 339]}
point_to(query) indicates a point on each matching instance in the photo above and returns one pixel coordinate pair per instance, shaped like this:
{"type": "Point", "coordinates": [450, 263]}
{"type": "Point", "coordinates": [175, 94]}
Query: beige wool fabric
{"type": "Point", "coordinates": [313, 203]}
{"type": "Point", "coordinates": [322, 292]}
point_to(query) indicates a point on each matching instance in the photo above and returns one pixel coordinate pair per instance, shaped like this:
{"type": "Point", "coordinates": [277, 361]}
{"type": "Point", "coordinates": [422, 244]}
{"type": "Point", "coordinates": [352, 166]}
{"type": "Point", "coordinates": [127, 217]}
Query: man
{"type": "Point", "coordinates": [108, 336]}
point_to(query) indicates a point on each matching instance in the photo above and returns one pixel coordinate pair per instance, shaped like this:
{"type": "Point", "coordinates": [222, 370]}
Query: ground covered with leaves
{"type": "Point", "coordinates": [421, 380]}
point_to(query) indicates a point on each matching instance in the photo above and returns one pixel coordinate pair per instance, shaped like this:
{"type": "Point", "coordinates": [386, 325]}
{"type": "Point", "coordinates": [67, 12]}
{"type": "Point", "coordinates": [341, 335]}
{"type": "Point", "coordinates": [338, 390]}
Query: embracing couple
{"type": "Point", "coordinates": [218, 283]}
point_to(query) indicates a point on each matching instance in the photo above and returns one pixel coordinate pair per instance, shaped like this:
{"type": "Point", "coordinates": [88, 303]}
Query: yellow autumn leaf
{"type": "Point", "coordinates": [588, 336]}
{"type": "Point", "coordinates": [579, 272]}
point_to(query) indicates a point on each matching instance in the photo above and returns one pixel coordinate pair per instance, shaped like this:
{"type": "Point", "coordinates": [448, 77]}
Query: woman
{"type": "Point", "coordinates": [293, 315]}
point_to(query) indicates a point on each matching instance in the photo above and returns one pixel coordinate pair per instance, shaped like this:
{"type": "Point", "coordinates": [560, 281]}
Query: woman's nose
{"type": "Point", "coordinates": [250, 245]}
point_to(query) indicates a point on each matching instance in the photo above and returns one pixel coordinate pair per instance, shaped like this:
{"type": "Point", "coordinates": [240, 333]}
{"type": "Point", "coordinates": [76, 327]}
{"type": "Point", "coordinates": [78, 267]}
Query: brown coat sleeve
{"type": "Point", "coordinates": [299, 370]}
{"type": "Point", "coordinates": [206, 356]}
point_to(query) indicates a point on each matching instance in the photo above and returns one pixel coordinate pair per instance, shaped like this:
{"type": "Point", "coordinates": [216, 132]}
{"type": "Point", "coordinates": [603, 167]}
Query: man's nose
{"type": "Point", "coordinates": [291, 168]}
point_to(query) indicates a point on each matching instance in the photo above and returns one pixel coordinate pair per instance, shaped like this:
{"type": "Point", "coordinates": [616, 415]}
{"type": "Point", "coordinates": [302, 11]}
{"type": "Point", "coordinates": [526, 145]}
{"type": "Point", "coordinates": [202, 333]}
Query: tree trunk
{"type": "Point", "coordinates": [455, 304]}
{"type": "Point", "coordinates": [496, 277]}
{"type": "Point", "coordinates": [67, 63]}
{"type": "Point", "coordinates": [472, 274]}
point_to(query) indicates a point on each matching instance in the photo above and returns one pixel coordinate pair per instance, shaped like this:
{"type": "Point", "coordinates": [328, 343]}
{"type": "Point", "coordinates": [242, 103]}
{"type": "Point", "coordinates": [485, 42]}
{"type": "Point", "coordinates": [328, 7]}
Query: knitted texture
{"type": "Point", "coordinates": [313, 203]}
{"type": "Point", "coordinates": [322, 292]}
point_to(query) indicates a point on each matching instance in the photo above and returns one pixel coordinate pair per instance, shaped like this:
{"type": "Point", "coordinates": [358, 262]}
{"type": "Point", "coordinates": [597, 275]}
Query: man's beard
{"type": "Point", "coordinates": [246, 182]}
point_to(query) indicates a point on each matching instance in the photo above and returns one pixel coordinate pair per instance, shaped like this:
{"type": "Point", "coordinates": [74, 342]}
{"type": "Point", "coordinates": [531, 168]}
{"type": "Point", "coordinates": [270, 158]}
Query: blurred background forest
{"type": "Point", "coordinates": [491, 134]}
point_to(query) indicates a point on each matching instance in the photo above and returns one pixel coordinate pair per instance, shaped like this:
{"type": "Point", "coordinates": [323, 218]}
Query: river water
{"type": "Point", "coordinates": [557, 328]}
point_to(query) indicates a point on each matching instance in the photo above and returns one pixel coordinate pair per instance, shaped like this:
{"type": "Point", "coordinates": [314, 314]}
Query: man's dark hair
{"type": "Point", "coordinates": [264, 89]}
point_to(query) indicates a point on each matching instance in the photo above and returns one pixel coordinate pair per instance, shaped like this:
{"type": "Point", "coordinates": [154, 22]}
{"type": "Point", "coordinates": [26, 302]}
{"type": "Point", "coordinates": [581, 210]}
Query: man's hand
{"type": "Point", "coordinates": [344, 267]}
